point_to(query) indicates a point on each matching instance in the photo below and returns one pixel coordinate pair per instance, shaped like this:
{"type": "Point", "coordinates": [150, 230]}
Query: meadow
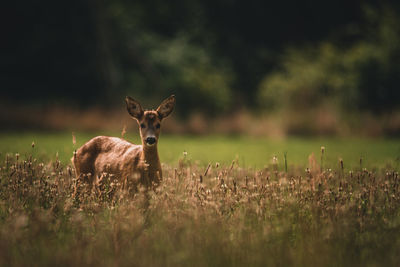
{"type": "Point", "coordinates": [224, 201]}
{"type": "Point", "coordinates": [254, 152]}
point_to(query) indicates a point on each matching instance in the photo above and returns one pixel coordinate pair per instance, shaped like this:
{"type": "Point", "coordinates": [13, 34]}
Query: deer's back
{"type": "Point", "coordinates": [107, 154]}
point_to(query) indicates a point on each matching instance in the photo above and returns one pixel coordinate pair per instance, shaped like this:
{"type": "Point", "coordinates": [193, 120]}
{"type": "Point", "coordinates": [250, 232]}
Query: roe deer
{"type": "Point", "coordinates": [130, 163]}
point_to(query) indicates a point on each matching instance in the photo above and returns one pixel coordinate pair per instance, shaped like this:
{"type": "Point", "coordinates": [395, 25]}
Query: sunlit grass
{"type": "Point", "coordinates": [248, 151]}
{"type": "Point", "coordinates": [228, 216]}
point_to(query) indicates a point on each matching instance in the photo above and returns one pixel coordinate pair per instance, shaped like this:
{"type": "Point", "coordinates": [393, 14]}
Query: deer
{"type": "Point", "coordinates": [130, 163]}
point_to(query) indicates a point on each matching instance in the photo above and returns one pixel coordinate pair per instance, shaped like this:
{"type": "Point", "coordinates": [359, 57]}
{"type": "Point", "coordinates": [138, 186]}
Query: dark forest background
{"type": "Point", "coordinates": [215, 56]}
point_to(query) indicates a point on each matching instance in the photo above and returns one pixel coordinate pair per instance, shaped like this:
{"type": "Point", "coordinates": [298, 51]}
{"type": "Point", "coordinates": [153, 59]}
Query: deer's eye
{"type": "Point", "coordinates": [142, 126]}
{"type": "Point", "coordinates": [158, 126]}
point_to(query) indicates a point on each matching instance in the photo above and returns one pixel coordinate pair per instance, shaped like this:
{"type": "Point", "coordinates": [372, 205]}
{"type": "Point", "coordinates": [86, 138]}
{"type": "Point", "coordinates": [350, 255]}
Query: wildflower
{"type": "Point", "coordinates": [73, 138]}
{"type": "Point", "coordinates": [123, 131]}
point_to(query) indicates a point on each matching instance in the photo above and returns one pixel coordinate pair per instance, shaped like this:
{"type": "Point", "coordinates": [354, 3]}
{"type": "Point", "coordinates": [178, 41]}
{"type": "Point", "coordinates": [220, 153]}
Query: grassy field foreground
{"type": "Point", "coordinates": [229, 214]}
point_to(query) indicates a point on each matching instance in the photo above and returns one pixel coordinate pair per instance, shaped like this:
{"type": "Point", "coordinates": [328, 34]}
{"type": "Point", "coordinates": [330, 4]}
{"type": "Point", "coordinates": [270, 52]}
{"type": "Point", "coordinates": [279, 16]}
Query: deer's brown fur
{"type": "Point", "coordinates": [127, 161]}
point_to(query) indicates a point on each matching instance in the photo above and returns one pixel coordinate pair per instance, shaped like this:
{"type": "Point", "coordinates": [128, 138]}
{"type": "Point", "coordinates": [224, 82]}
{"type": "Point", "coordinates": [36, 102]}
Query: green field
{"type": "Point", "coordinates": [251, 213]}
{"type": "Point", "coordinates": [249, 151]}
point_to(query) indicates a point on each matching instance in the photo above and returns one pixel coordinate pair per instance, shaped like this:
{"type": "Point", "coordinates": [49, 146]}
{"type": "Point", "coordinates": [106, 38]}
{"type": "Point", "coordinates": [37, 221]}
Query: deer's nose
{"type": "Point", "coordinates": [150, 140]}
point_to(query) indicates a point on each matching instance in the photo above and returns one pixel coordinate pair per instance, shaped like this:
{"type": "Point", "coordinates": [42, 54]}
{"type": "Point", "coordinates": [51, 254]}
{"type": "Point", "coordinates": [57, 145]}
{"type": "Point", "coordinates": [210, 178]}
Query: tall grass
{"type": "Point", "coordinates": [219, 215]}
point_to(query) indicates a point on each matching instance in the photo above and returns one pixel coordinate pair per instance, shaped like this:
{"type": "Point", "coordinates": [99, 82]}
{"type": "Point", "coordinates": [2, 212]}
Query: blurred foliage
{"type": "Point", "coordinates": [361, 76]}
{"type": "Point", "coordinates": [215, 56]}
{"type": "Point", "coordinates": [166, 59]}
{"type": "Point", "coordinates": [186, 70]}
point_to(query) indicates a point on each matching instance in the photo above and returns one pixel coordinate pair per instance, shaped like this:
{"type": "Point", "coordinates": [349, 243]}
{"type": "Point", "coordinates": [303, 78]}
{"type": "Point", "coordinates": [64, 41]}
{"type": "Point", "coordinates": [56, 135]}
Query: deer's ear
{"type": "Point", "coordinates": [134, 108]}
{"type": "Point", "coordinates": [166, 107]}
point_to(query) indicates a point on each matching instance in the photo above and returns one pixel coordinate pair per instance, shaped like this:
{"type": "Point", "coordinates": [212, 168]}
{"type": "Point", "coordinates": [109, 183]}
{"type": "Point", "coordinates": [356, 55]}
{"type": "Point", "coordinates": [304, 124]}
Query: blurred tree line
{"type": "Point", "coordinates": [214, 55]}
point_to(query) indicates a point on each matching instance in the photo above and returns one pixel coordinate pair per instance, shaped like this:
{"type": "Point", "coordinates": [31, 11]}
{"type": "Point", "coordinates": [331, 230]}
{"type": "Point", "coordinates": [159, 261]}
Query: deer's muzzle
{"type": "Point", "coordinates": [150, 140]}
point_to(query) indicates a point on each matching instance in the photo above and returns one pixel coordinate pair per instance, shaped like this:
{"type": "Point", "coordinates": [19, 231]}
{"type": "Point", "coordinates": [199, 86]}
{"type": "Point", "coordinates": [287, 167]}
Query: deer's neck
{"type": "Point", "coordinates": [150, 156]}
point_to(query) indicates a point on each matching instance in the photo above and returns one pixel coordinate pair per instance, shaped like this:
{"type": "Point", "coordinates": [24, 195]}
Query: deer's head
{"type": "Point", "coordinates": [150, 120]}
